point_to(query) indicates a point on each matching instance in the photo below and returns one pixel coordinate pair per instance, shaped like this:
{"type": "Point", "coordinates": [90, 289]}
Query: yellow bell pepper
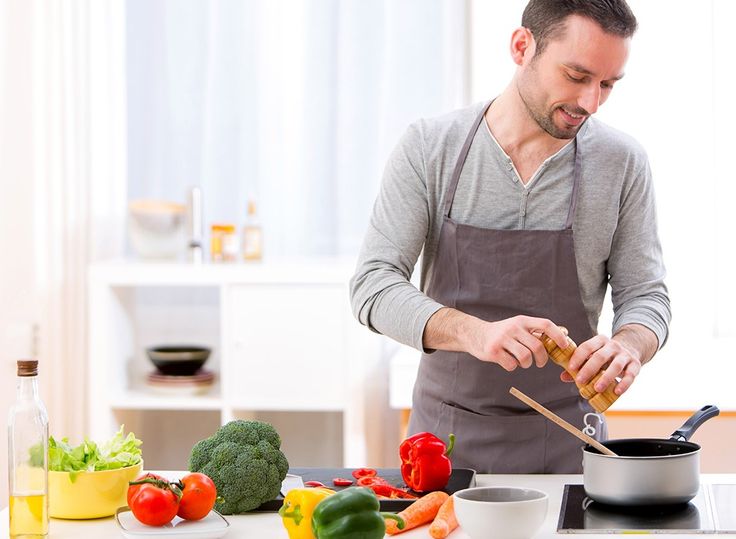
{"type": "Point", "coordinates": [296, 512]}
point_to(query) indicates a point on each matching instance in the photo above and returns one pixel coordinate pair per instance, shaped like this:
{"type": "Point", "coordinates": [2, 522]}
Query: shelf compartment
{"type": "Point", "coordinates": [142, 399]}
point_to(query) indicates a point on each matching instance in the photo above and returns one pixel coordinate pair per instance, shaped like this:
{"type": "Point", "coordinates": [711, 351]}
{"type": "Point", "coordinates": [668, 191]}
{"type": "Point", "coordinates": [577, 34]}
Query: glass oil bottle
{"type": "Point", "coordinates": [252, 235]}
{"type": "Point", "coordinates": [28, 439]}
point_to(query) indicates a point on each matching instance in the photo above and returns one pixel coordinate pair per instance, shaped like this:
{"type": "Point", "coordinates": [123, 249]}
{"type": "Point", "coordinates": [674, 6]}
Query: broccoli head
{"type": "Point", "coordinates": [244, 460]}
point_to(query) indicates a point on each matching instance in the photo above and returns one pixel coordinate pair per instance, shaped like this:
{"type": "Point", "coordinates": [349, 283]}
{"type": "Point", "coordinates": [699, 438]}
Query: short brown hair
{"type": "Point", "coordinates": [545, 19]}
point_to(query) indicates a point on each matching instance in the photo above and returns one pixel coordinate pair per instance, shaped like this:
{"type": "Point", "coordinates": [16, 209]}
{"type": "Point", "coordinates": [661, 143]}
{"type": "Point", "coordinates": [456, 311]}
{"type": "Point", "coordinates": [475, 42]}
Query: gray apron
{"type": "Point", "coordinates": [497, 274]}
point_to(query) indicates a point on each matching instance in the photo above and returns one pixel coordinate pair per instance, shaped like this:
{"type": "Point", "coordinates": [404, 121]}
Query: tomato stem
{"type": "Point", "coordinates": [160, 483]}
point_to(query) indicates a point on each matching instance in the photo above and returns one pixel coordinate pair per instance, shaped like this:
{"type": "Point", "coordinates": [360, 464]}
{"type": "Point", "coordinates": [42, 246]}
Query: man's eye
{"type": "Point", "coordinates": [575, 79]}
{"type": "Point", "coordinates": [606, 85]}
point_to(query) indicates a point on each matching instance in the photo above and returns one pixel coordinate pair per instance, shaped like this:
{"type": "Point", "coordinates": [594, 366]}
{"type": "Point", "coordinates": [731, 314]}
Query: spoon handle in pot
{"type": "Point", "coordinates": [549, 414]}
{"type": "Point", "coordinates": [684, 433]}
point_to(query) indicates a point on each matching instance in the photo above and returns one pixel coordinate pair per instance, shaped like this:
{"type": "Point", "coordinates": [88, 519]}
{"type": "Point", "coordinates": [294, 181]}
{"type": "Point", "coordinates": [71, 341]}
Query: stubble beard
{"type": "Point", "coordinates": [545, 120]}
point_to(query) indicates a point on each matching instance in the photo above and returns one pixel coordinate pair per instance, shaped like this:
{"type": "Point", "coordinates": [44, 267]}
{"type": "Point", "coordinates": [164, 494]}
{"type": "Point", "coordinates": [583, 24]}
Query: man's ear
{"type": "Point", "coordinates": [522, 46]}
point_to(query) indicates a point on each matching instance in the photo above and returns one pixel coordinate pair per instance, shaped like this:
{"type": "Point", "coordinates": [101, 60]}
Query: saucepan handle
{"type": "Point", "coordinates": [684, 433]}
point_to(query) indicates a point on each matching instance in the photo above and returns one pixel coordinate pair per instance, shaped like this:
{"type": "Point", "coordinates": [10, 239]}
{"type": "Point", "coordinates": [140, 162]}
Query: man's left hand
{"type": "Point", "coordinates": [602, 352]}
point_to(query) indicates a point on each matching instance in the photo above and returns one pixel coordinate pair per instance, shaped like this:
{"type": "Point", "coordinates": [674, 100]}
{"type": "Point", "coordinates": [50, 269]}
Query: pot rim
{"type": "Point", "coordinates": [589, 450]}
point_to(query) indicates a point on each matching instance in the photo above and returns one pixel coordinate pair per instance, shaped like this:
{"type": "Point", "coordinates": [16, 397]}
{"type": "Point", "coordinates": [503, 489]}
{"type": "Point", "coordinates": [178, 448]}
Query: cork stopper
{"type": "Point", "coordinates": [27, 367]}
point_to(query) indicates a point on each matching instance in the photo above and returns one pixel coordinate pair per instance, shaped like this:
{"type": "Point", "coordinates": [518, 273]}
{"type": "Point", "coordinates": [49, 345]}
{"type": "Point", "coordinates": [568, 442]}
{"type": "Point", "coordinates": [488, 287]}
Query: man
{"type": "Point", "coordinates": [525, 209]}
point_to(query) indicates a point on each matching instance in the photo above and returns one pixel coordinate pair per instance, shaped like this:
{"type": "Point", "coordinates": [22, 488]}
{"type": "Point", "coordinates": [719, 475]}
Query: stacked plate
{"type": "Point", "coordinates": [194, 384]}
{"type": "Point", "coordinates": [179, 369]}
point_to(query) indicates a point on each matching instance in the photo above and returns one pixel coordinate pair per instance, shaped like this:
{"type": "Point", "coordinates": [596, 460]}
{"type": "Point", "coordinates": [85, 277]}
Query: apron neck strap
{"type": "Point", "coordinates": [576, 174]}
{"type": "Point", "coordinates": [461, 161]}
{"type": "Point", "coordinates": [452, 188]}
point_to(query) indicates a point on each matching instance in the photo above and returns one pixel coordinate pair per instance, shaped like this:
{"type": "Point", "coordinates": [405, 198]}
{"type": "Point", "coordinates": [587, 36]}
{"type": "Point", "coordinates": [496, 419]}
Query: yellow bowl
{"type": "Point", "coordinates": [92, 494]}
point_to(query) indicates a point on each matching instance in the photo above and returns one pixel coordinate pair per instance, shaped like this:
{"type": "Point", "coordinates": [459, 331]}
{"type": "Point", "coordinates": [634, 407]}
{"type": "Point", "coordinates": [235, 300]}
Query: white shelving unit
{"type": "Point", "coordinates": [284, 341]}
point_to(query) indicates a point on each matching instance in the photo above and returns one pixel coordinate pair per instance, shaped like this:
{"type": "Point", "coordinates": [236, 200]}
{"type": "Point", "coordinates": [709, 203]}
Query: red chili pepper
{"type": "Point", "coordinates": [425, 465]}
{"type": "Point", "coordinates": [380, 489]}
{"type": "Point", "coordinates": [340, 482]}
{"type": "Point", "coordinates": [401, 493]}
{"type": "Point", "coordinates": [390, 491]}
{"type": "Point", "coordinates": [370, 481]}
{"type": "Point", "coordinates": [364, 472]}
{"type": "Point", "coordinates": [315, 484]}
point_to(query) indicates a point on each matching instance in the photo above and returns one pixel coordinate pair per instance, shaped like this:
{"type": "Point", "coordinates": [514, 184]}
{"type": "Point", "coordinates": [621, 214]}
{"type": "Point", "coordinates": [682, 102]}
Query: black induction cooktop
{"type": "Point", "coordinates": [713, 510]}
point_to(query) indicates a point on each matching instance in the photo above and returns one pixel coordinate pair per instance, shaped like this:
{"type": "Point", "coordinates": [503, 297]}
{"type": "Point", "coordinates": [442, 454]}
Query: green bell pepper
{"type": "Point", "coordinates": [353, 513]}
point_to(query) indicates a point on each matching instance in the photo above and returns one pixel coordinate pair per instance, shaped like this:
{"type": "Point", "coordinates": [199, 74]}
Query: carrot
{"type": "Point", "coordinates": [445, 520]}
{"type": "Point", "coordinates": [419, 512]}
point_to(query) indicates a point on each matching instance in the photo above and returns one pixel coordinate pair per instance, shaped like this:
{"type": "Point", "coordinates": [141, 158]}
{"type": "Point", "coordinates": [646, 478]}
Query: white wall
{"type": "Point", "coordinates": [17, 287]}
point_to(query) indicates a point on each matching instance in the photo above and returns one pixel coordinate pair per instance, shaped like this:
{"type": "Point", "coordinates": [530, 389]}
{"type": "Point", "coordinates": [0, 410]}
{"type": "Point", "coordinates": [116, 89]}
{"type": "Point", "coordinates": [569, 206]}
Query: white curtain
{"type": "Point", "coordinates": [295, 103]}
{"type": "Point", "coordinates": [17, 283]}
{"type": "Point", "coordinates": [80, 170]}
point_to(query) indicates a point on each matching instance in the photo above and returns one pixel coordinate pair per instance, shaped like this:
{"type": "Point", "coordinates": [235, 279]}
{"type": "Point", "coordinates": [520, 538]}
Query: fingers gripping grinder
{"type": "Point", "coordinates": [599, 401]}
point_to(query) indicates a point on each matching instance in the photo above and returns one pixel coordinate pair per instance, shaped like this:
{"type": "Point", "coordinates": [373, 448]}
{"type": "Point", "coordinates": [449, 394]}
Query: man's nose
{"type": "Point", "coordinates": [590, 100]}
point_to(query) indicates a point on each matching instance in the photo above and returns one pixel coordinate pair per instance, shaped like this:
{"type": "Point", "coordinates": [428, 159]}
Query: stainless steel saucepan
{"type": "Point", "coordinates": [647, 471]}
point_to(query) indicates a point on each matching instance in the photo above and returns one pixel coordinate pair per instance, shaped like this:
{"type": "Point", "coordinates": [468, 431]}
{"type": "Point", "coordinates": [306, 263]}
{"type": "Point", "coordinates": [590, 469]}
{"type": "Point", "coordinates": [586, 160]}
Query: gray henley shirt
{"type": "Point", "coordinates": [615, 227]}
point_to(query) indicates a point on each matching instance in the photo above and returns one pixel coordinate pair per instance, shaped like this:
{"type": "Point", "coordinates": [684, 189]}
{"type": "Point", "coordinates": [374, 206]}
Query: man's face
{"type": "Point", "coordinates": [572, 77]}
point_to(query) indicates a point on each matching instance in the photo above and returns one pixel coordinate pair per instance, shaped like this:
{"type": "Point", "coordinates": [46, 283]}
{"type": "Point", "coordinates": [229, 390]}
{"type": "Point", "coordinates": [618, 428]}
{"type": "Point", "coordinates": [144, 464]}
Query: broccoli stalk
{"type": "Point", "coordinates": [244, 460]}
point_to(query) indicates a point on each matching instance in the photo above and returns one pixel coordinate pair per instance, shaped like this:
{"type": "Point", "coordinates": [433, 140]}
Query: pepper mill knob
{"type": "Point", "coordinates": [599, 401]}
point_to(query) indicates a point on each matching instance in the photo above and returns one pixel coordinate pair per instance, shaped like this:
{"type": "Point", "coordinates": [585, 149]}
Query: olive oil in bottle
{"type": "Point", "coordinates": [28, 516]}
{"type": "Point", "coordinates": [252, 235]}
{"type": "Point", "coordinates": [28, 439]}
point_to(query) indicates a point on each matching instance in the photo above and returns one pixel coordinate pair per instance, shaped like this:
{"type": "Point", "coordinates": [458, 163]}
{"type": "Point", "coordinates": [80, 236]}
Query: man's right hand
{"type": "Point", "coordinates": [510, 343]}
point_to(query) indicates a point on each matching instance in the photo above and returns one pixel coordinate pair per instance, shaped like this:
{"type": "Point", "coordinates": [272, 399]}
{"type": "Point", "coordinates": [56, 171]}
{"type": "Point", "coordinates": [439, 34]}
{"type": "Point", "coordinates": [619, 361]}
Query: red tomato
{"type": "Point", "coordinates": [153, 501]}
{"type": "Point", "coordinates": [133, 489]}
{"type": "Point", "coordinates": [198, 496]}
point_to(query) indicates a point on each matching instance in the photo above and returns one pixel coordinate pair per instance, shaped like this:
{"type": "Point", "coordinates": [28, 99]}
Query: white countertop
{"type": "Point", "coordinates": [313, 270]}
{"type": "Point", "coordinates": [268, 525]}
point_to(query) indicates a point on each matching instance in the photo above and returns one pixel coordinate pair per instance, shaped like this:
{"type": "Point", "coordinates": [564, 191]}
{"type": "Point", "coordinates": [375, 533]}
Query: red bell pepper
{"type": "Point", "coordinates": [425, 463]}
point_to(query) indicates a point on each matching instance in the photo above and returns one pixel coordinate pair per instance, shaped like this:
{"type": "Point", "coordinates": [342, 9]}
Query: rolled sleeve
{"type": "Point", "coordinates": [636, 267]}
{"type": "Point", "coordinates": [381, 294]}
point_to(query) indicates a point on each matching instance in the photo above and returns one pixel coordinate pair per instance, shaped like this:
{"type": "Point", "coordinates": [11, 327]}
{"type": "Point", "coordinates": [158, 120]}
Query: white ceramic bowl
{"type": "Point", "coordinates": [156, 228]}
{"type": "Point", "coordinates": [500, 512]}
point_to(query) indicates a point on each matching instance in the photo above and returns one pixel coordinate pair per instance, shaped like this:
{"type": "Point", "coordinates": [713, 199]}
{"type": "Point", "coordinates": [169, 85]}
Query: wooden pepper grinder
{"type": "Point", "coordinates": [599, 401]}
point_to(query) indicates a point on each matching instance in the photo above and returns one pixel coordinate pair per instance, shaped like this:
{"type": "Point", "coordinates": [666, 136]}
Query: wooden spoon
{"type": "Point", "coordinates": [561, 422]}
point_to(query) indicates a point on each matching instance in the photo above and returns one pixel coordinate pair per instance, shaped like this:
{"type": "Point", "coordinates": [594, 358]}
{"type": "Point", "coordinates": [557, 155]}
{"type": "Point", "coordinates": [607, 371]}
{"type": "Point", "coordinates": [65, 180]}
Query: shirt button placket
{"type": "Point", "coordinates": [512, 172]}
{"type": "Point", "coordinates": [522, 210]}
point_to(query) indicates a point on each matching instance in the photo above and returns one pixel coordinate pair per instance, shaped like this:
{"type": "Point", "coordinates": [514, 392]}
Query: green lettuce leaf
{"type": "Point", "coordinates": [120, 451]}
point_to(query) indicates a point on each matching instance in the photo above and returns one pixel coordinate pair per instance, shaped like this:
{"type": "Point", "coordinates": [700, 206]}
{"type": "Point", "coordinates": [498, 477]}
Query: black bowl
{"type": "Point", "coordinates": [178, 360]}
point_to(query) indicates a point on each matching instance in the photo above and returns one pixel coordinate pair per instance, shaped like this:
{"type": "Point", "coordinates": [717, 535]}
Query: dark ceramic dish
{"type": "Point", "coordinates": [178, 360]}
